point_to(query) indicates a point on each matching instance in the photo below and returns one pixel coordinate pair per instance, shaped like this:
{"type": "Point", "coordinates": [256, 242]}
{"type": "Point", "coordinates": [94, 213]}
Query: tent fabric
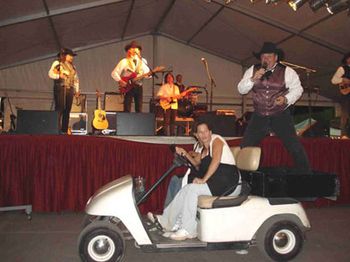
{"type": "Point", "coordinates": [33, 30]}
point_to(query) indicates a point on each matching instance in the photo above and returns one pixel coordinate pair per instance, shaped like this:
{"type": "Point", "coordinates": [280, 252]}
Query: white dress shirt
{"type": "Point", "coordinates": [338, 76]}
{"type": "Point", "coordinates": [291, 78]}
{"type": "Point", "coordinates": [55, 76]}
{"type": "Point", "coordinates": [169, 91]}
{"type": "Point", "coordinates": [123, 66]}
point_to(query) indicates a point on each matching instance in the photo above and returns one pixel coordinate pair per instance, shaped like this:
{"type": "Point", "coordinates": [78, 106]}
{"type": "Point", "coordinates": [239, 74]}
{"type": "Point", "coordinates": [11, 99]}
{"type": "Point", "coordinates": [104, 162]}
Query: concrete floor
{"type": "Point", "coordinates": [51, 237]}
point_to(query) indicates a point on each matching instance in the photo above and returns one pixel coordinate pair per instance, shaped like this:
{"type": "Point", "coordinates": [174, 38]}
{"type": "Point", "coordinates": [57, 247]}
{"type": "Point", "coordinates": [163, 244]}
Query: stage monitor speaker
{"type": "Point", "coordinates": [114, 102]}
{"type": "Point", "coordinates": [224, 125]}
{"type": "Point", "coordinates": [37, 122]}
{"type": "Point", "coordinates": [135, 124]}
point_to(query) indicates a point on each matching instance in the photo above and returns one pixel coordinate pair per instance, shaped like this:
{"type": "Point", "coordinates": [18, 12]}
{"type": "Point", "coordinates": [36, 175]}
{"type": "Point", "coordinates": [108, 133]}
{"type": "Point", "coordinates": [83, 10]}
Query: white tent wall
{"type": "Point", "coordinates": [29, 87]}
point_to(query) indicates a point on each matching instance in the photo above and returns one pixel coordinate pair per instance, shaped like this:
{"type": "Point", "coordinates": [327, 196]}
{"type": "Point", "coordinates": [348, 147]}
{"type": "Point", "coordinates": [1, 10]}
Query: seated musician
{"type": "Point", "coordinates": [179, 83]}
{"type": "Point", "coordinates": [168, 94]}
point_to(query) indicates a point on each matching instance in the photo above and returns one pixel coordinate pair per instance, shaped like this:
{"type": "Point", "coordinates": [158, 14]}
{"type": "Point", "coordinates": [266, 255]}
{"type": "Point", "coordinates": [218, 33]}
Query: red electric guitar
{"type": "Point", "coordinates": [133, 77]}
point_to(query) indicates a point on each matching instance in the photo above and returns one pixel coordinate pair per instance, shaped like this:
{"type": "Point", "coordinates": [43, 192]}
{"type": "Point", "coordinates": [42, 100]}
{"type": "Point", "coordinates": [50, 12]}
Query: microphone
{"type": "Point", "coordinates": [203, 60]}
{"type": "Point", "coordinates": [267, 72]}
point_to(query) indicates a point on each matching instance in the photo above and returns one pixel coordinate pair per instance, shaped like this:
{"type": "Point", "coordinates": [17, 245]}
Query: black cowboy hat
{"type": "Point", "coordinates": [269, 48]}
{"type": "Point", "coordinates": [132, 44]}
{"type": "Point", "coordinates": [346, 56]}
{"type": "Point", "coordinates": [66, 51]}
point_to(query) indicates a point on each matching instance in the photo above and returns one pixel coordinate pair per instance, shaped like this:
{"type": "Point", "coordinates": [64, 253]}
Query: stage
{"type": "Point", "coordinates": [59, 173]}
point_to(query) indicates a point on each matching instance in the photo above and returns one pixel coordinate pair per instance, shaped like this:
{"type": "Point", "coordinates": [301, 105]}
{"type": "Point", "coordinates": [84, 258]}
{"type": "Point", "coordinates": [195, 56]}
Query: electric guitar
{"type": "Point", "coordinates": [132, 78]}
{"type": "Point", "coordinates": [100, 120]}
{"type": "Point", "coordinates": [344, 89]}
{"type": "Point", "coordinates": [166, 104]}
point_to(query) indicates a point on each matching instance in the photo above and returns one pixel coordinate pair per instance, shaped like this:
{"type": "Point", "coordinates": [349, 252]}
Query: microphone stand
{"type": "Point", "coordinates": [307, 71]}
{"type": "Point", "coordinates": [150, 69]}
{"type": "Point", "coordinates": [212, 84]}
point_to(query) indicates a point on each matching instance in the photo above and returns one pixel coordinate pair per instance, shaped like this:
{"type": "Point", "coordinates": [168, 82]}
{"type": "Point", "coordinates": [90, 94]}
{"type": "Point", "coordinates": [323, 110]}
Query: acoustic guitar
{"type": "Point", "coordinates": [166, 103]}
{"type": "Point", "coordinates": [100, 120]}
{"type": "Point", "coordinates": [344, 89]}
{"type": "Point", "coordinates": [132, 78]}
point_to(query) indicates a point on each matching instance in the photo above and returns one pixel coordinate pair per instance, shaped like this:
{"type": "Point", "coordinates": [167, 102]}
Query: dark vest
{"type": "Point", "coordinates": [347, 71]}
{"type": "Point", "coordinates": [70, 72]}
{"type": "Point", "coordinates": [266, 90]}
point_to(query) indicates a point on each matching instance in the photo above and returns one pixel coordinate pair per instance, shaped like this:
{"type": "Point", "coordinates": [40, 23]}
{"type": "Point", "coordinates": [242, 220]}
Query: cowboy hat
{"type": "Point", "coordinates": [269, 48]}
{"type": "Point", "coordinates": [132, 44]}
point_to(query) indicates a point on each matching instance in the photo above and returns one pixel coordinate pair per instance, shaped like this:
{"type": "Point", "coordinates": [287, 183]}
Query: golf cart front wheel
{"type": "Point", "coordinates": [282, 242]}
{"type": "Point", "coordinates": [101, 242]}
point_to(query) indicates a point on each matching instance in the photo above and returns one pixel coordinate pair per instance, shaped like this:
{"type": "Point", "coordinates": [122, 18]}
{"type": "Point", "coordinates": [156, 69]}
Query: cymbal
{"type": "Point", "coordinates": [196, 92]}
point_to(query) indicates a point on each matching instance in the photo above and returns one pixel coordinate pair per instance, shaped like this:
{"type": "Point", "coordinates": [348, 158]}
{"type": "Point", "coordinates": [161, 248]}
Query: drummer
{"type": "Point", "coordinates": [179, 83]}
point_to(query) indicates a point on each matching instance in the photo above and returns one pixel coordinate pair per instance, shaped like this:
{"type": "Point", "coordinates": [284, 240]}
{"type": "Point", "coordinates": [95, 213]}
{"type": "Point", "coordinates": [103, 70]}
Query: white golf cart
{"type": "Point", "coordinates": [275, 225]}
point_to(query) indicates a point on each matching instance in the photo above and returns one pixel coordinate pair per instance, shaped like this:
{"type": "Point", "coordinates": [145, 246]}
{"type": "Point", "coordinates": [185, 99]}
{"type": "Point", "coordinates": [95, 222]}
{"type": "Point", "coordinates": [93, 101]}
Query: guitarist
{"type": "Point", "coordinates": [342, 78]}
{"type": "Point", "coordinates": [168, 93]}
{"type": "Point", "coordinates": [132, 63]}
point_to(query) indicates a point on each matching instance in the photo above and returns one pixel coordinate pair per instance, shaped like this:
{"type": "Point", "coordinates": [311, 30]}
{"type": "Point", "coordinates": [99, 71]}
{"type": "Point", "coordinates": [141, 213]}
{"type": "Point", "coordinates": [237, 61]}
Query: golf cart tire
{"type": "Point", "coordinates": [90, 238]}
{"type": "Point", "coordinates": [290, 240]}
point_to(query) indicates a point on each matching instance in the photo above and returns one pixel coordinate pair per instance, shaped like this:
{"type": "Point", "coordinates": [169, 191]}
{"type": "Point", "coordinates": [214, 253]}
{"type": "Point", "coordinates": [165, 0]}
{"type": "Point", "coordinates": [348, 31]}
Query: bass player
{"type": "Point", "coordinates": [132, 64]}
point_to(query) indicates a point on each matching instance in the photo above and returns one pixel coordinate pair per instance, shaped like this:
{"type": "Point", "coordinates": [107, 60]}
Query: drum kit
{"type": "Point", "coordinates": [187, 106]}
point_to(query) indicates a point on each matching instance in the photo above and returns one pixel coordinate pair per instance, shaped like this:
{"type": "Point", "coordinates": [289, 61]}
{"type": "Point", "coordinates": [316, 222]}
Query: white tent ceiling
{"type": "Point", "coordinates": [33, 30]}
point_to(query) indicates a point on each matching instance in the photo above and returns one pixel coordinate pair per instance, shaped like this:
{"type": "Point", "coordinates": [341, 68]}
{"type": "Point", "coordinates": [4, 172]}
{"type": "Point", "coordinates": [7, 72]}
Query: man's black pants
{"type": "Point", "coordinates": [282, 125]}
{"type": "Point", "coordinates": [136, 93]}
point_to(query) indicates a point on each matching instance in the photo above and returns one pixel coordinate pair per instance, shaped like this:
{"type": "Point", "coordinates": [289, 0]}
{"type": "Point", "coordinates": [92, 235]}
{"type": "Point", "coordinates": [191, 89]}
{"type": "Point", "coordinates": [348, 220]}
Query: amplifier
{"type": "Point", "coordinates": [78, 123]}
{"type": "Point", "coordinates": [114, 102]}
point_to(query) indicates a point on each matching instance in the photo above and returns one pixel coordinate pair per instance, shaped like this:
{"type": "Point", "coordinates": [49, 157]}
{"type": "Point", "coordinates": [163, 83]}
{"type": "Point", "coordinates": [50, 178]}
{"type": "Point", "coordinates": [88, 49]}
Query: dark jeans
{"type": "Point", "coordinates": [136, 93]}
{"type": "Point", "coordinates": [283, 126]}
{"type": "Point", "coordinates": [63, 104]}
{"type": "Point", "coordinates": [169, 121]}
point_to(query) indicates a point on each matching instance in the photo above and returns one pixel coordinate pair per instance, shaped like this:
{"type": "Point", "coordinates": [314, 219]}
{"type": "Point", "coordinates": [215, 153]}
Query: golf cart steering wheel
{"type": "Point", "coordinates": [184, 161]}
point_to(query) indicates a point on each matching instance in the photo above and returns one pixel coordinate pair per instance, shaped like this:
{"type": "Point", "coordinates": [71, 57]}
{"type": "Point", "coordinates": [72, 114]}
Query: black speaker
{"type": "Point", "coordinates": [135, 124]}
{"type": "Point", "coordinates": [224, 125]}
{"type": "Point", "coordinates": [37, 122]}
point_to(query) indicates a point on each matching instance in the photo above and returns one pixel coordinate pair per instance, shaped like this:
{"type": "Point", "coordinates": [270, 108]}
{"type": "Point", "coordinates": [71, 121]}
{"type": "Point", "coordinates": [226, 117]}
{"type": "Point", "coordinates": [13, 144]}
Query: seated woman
{"type": "Point", "coordinates": [177, 182]}
{"type": "Point", "coordinates": [217, 175]}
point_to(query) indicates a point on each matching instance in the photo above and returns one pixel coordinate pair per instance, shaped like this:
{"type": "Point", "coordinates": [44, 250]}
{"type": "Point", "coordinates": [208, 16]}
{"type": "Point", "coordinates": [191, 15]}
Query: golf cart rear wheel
{"type": "Point", "coordinates": [282, 241]}
{"type": "Point", "coordinates": [101, 241]}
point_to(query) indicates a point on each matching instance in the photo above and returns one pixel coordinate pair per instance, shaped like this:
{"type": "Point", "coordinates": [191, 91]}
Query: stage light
{"type": "Point", "coordinates": [317, 4]}
{"type": "Point", "coordinates": [296, 4]}
{"type": "Point", "coordinates": [336, 6]}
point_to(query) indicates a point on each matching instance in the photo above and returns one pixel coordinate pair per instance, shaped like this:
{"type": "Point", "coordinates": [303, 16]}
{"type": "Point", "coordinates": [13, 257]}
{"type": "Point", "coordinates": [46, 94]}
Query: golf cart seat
{"type": "Point", "coordinates": [247, 159]}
